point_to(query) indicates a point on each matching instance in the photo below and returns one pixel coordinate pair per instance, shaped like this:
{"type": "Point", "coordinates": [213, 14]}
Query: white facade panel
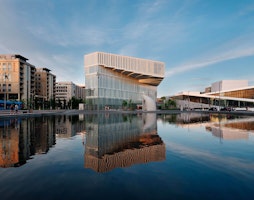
{"type": "Point", "coordinates": [228, 85]}
{"type": "Point", "coordinates": [136, 65]}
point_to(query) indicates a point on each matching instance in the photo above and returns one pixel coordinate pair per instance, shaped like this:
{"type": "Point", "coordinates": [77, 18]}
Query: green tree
{"type": "Point", "coordinates": [59, 103]}
{"type": "Point", "coordinates": [171, 104]}
{"type": "Point", "coordinates": [64, 104]}
{"type": "Point", "coordinates": [124, 104]}
{"type": "Point", "coordinates": [74, 102]}
{"type": "Point", "coordinates": [53, 103]}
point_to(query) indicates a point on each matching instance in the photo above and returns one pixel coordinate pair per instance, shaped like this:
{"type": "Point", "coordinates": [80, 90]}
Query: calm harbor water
{"type": "Point", "coordinates": [117, 156]}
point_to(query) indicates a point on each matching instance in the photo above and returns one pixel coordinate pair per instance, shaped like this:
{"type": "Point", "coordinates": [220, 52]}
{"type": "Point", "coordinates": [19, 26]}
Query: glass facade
{"type": "Point", "coordinates": [207, 101]}
{"type": "Point", "coordinates": [112, 79]}
{"type": "Point", "coordinates": [244, 93]}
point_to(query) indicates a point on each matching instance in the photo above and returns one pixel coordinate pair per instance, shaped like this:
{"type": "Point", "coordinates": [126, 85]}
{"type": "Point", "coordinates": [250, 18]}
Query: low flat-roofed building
{"type": "Point", "coordinates": [241, 97]}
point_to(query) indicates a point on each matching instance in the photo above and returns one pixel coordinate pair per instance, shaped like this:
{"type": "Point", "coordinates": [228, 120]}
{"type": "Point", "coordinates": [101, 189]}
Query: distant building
{"type": "Point", "coordinates": [17, 79]}
{"type": "Point", "coordinates": [236, 94]}
{"type": "Point", "coordinates": [228, 85]}
{"type": "Point", "coordinates": [113, 79]}
{"type": "Point", "coordinates": [66, 90]}
{"type": "Point", "coordinates": [80, 92]}
{"type": "Point", "coordinates": [45, 86]}
{"type": "Point", "coordinates": [208, 89]}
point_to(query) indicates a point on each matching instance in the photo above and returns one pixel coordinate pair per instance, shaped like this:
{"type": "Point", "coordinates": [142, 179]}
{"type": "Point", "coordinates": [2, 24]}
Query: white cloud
{"type": "Point", "coordinates": [247, 10]}
{"type": "Point", "coordinates": [232, 50]}
{"type": "Point", "coordinates": [152, 29]}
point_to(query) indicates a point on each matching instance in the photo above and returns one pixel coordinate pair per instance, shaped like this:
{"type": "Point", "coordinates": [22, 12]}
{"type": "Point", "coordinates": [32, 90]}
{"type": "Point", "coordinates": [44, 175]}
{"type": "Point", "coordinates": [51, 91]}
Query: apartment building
{"type": "Point", "coordinates": [80, 92]}
{"type": "Point", "coordinates": [45, 84]}
{"type": "Point", "coordinates": [22, 81]}
{"type": "Point", "coordinates": [17, 79]}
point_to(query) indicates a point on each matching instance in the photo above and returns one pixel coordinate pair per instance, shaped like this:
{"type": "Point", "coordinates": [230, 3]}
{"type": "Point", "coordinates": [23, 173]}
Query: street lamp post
{"type": "Point", "coordinates": [219, 95]}
{"type": "Point", "coordinates": [188, 100]}
{"type": "Point", "coordinates": [27, 88]}
{"type": "Point", "coordinates": [5, 92]}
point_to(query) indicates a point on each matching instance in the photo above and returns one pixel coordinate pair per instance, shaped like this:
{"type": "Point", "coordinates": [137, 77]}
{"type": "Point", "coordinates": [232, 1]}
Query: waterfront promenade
{"type": "Point", "coordinates": [34, 113]}
{"type": "Point", "coordinates": [27, 113]}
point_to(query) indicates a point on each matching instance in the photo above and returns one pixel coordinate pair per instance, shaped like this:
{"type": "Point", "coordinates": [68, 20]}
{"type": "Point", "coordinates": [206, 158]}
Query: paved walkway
{"type": "Point", "coordinates": [25, 113]}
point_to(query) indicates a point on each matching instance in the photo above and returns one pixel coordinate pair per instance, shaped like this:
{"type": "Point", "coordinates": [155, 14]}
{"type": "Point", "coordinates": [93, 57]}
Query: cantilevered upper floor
{"type": "Point", "coordinates": [145, 71]}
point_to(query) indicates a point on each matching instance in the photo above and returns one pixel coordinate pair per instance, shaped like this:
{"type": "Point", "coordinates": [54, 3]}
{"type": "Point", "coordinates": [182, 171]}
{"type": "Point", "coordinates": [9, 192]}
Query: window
{"type": "Point", "coordinates": [9, 66]}
{"type": "Point", "coordinates": [4, 66]}
{"type": "Point", "coordinates": [93, 69]}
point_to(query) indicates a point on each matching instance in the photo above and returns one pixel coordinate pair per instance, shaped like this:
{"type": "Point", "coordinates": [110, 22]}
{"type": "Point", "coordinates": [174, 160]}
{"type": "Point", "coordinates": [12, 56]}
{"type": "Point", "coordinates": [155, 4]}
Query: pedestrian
{"type": "Point", "coordinates": [12, 109]}
{"type": "Point", "coordinates": [16, 108]}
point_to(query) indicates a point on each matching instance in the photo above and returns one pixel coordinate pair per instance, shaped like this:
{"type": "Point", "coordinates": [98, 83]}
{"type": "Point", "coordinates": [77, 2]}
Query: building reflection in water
{"type": "Point", "coordinates": [9, 143]}
{"type": "Point", "coordinates": [114, 141]}
{"type": "Point", "coordinates": [232, 129]}
{"type": "Point", "coordinates": [224, 126]}
{"type": "Point", "coordinates": [183, 119]}
{"type": "Point", "coordinates": [111, 140]}
{"type": "Point", "coordinates": [21, 139]}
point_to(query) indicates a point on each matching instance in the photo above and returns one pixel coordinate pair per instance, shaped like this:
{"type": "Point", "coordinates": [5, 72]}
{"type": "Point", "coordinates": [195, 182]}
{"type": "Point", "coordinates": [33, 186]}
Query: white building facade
{"type": "Point", "coordinates": [228, 85]}
{"type": "Point", "coordinates": [111, 79]}
{"type": "Point", "coordinates": [231, 94]}
{"type": "Point", "coordinates": [66, 90]}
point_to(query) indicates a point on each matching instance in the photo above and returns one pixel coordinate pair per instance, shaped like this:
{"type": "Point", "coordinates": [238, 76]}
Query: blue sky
{"type": "Point", "coordinates": [200, 41]}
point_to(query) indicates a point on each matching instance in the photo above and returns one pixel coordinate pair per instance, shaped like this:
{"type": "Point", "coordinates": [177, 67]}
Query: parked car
{"type": "Point", "coordinates": [226, 109]}
{"type": "Point", "coordinates": [213, 109]}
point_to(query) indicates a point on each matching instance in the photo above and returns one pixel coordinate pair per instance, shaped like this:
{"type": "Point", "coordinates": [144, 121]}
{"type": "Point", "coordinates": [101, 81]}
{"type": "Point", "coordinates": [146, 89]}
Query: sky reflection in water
{"type": "Point", "coordinates": [145, 156]}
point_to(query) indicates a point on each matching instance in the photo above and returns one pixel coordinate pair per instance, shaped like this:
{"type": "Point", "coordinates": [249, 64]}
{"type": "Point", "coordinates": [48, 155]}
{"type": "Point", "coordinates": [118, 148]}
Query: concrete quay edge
{"type": "Point", "coordinates": [36, 113]}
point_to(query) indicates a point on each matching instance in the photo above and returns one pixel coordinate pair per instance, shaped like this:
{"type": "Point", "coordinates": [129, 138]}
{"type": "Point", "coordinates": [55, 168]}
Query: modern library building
{"type": "Point", "coordinates": [114, 79]}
